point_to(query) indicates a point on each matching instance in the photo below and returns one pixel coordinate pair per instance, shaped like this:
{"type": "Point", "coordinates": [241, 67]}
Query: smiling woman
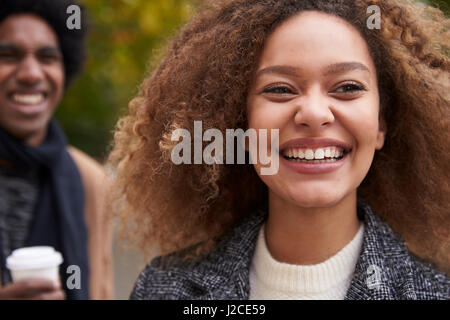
{"type": "Point", "coordinates": [362, 117]}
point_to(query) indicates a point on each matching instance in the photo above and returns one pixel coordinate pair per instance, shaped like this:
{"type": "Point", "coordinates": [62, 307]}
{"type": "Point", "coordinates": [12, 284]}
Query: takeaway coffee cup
{"type": "Point", "coordinates": [34, 262]}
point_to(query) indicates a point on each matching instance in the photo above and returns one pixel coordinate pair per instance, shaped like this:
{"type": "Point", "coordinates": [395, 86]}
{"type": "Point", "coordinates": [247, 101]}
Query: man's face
{"type": "Point", "coordinates": [31, 76]}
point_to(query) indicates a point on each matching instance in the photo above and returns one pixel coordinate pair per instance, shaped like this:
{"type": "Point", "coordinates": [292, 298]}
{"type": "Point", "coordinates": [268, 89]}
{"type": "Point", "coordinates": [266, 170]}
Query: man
{"type": "Point", "coordinates": [50, 194]}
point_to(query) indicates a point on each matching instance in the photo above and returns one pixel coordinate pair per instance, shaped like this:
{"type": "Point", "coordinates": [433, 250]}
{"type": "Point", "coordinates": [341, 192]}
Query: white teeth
{"type": "Point", "coordinates": [290, 153]}
{"type": "Point", "coordinates": [28, 98]}
{"type": "Point", "coordinates": [319, 154]}
{"type": "Point", "coordinates": [309, 154]}
{"type": "Point", "coordinates": [301, 154]}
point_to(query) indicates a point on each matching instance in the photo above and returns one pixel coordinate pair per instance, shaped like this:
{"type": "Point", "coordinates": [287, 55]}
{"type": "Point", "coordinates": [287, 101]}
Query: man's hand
{"type": "Point", "coordinates": [32, 289]}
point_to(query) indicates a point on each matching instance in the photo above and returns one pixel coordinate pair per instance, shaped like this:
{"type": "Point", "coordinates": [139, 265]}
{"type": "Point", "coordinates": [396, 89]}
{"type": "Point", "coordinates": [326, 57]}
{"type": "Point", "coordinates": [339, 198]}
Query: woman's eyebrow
{"type": "Point", "coordinates": [344, 67]}
{"type": "Point", "coordinates": [296, 71]}
{"type": "Point", "coordinates": [280, 69]}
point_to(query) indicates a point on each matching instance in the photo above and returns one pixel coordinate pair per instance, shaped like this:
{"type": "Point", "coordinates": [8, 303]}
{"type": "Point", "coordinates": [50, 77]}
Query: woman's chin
{"type": "Point", "coordinates": [317, 200]}
{"type": "Point", "coordinates": [311, 204]}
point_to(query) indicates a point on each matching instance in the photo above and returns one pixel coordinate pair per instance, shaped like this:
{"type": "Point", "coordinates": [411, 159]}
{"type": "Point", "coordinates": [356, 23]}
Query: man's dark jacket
{"type": "Point", "coordinates": [385, 270]}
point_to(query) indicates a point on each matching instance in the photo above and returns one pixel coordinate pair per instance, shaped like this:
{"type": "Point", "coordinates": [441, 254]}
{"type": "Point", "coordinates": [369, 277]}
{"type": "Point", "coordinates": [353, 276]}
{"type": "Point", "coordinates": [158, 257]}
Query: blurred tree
{"type": "Point", "coordinates": [124, 35]}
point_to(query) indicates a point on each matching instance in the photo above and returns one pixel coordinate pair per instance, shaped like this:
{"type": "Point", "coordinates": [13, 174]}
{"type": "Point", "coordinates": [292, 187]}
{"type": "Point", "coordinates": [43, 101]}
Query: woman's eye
{"type": "Point", "coordinates": [349, 88]}
{"type": "Point", "coordinates": [279, 90]}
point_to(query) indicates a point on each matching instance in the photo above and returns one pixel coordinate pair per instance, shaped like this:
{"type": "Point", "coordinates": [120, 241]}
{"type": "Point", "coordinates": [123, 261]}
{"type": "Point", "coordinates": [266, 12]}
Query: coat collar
{"type": "Point", "coordinates": [383, 270]}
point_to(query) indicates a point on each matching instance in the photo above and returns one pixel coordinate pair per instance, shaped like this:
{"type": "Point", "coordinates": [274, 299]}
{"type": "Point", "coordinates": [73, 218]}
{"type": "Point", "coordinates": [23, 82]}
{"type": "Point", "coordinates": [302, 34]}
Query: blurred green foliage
{"type": "Point", "coordinates": [124, 35]}
{"type": "Point", "coordinates": [444, 5]}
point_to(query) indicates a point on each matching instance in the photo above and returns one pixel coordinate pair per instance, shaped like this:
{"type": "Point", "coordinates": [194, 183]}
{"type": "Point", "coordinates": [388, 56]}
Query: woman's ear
{"type": "Point", "coordinates": [381, 133]}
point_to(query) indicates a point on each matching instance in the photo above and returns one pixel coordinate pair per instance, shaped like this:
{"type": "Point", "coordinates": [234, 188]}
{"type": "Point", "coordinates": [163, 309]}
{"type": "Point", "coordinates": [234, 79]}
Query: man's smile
{"type": "Point", "coordinates": [28, 103]}
{"type": "Point", "coordinates": [28, 98]}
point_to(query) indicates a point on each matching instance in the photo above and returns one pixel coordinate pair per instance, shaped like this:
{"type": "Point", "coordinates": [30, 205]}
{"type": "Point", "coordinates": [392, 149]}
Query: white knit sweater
{"type": "Point", "coordinates": [330, 280]}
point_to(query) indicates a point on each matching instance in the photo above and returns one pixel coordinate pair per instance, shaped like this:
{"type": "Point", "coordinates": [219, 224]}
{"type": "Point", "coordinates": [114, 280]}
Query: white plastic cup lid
{"type": "Point", "coordinates": [33, 258]}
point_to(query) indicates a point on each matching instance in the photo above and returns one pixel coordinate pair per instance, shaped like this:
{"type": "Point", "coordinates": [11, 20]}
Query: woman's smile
{"type": "Point", "coordinates": [314, 155]}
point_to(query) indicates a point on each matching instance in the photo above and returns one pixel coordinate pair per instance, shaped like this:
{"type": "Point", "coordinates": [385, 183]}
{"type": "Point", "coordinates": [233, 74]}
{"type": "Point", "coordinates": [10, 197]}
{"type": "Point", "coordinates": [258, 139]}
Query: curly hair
{"type": "Point", "coordinates": [205, 75]}
{"type": "Point", "coordinates": [71, 42]}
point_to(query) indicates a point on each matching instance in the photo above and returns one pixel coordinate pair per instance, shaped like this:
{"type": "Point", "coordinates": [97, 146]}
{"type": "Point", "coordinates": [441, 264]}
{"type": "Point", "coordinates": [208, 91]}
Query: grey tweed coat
{"type": "Point", "coordinates": [385, 270]}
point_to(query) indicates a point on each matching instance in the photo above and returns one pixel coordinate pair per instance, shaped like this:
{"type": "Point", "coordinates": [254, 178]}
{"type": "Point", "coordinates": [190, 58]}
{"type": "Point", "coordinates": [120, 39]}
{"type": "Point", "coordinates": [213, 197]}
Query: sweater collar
{"type": "Point", "coordinates": [319, 279]}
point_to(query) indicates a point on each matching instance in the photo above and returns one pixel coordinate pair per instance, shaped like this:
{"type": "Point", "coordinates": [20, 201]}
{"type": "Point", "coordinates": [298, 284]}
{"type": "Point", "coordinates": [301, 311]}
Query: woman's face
{"type": "Point", "coordinates": [316, 83]}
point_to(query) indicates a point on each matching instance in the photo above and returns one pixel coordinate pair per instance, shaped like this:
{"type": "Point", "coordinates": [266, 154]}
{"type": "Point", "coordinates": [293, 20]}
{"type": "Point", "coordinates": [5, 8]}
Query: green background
{"type": "Point", "coordinates": [124, 36]}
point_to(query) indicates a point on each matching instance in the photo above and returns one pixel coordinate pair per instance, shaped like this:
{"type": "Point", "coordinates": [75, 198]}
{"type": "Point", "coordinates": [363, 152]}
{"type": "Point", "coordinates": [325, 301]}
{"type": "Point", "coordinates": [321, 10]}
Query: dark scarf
{"type": "Point", "coordinates": [59, 214]}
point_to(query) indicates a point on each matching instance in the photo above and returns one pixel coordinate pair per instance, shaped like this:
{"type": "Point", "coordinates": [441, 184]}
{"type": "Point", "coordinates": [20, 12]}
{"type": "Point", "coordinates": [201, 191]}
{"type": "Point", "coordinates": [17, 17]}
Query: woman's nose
{"type": "Point", "coordinates": [313, 111]}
